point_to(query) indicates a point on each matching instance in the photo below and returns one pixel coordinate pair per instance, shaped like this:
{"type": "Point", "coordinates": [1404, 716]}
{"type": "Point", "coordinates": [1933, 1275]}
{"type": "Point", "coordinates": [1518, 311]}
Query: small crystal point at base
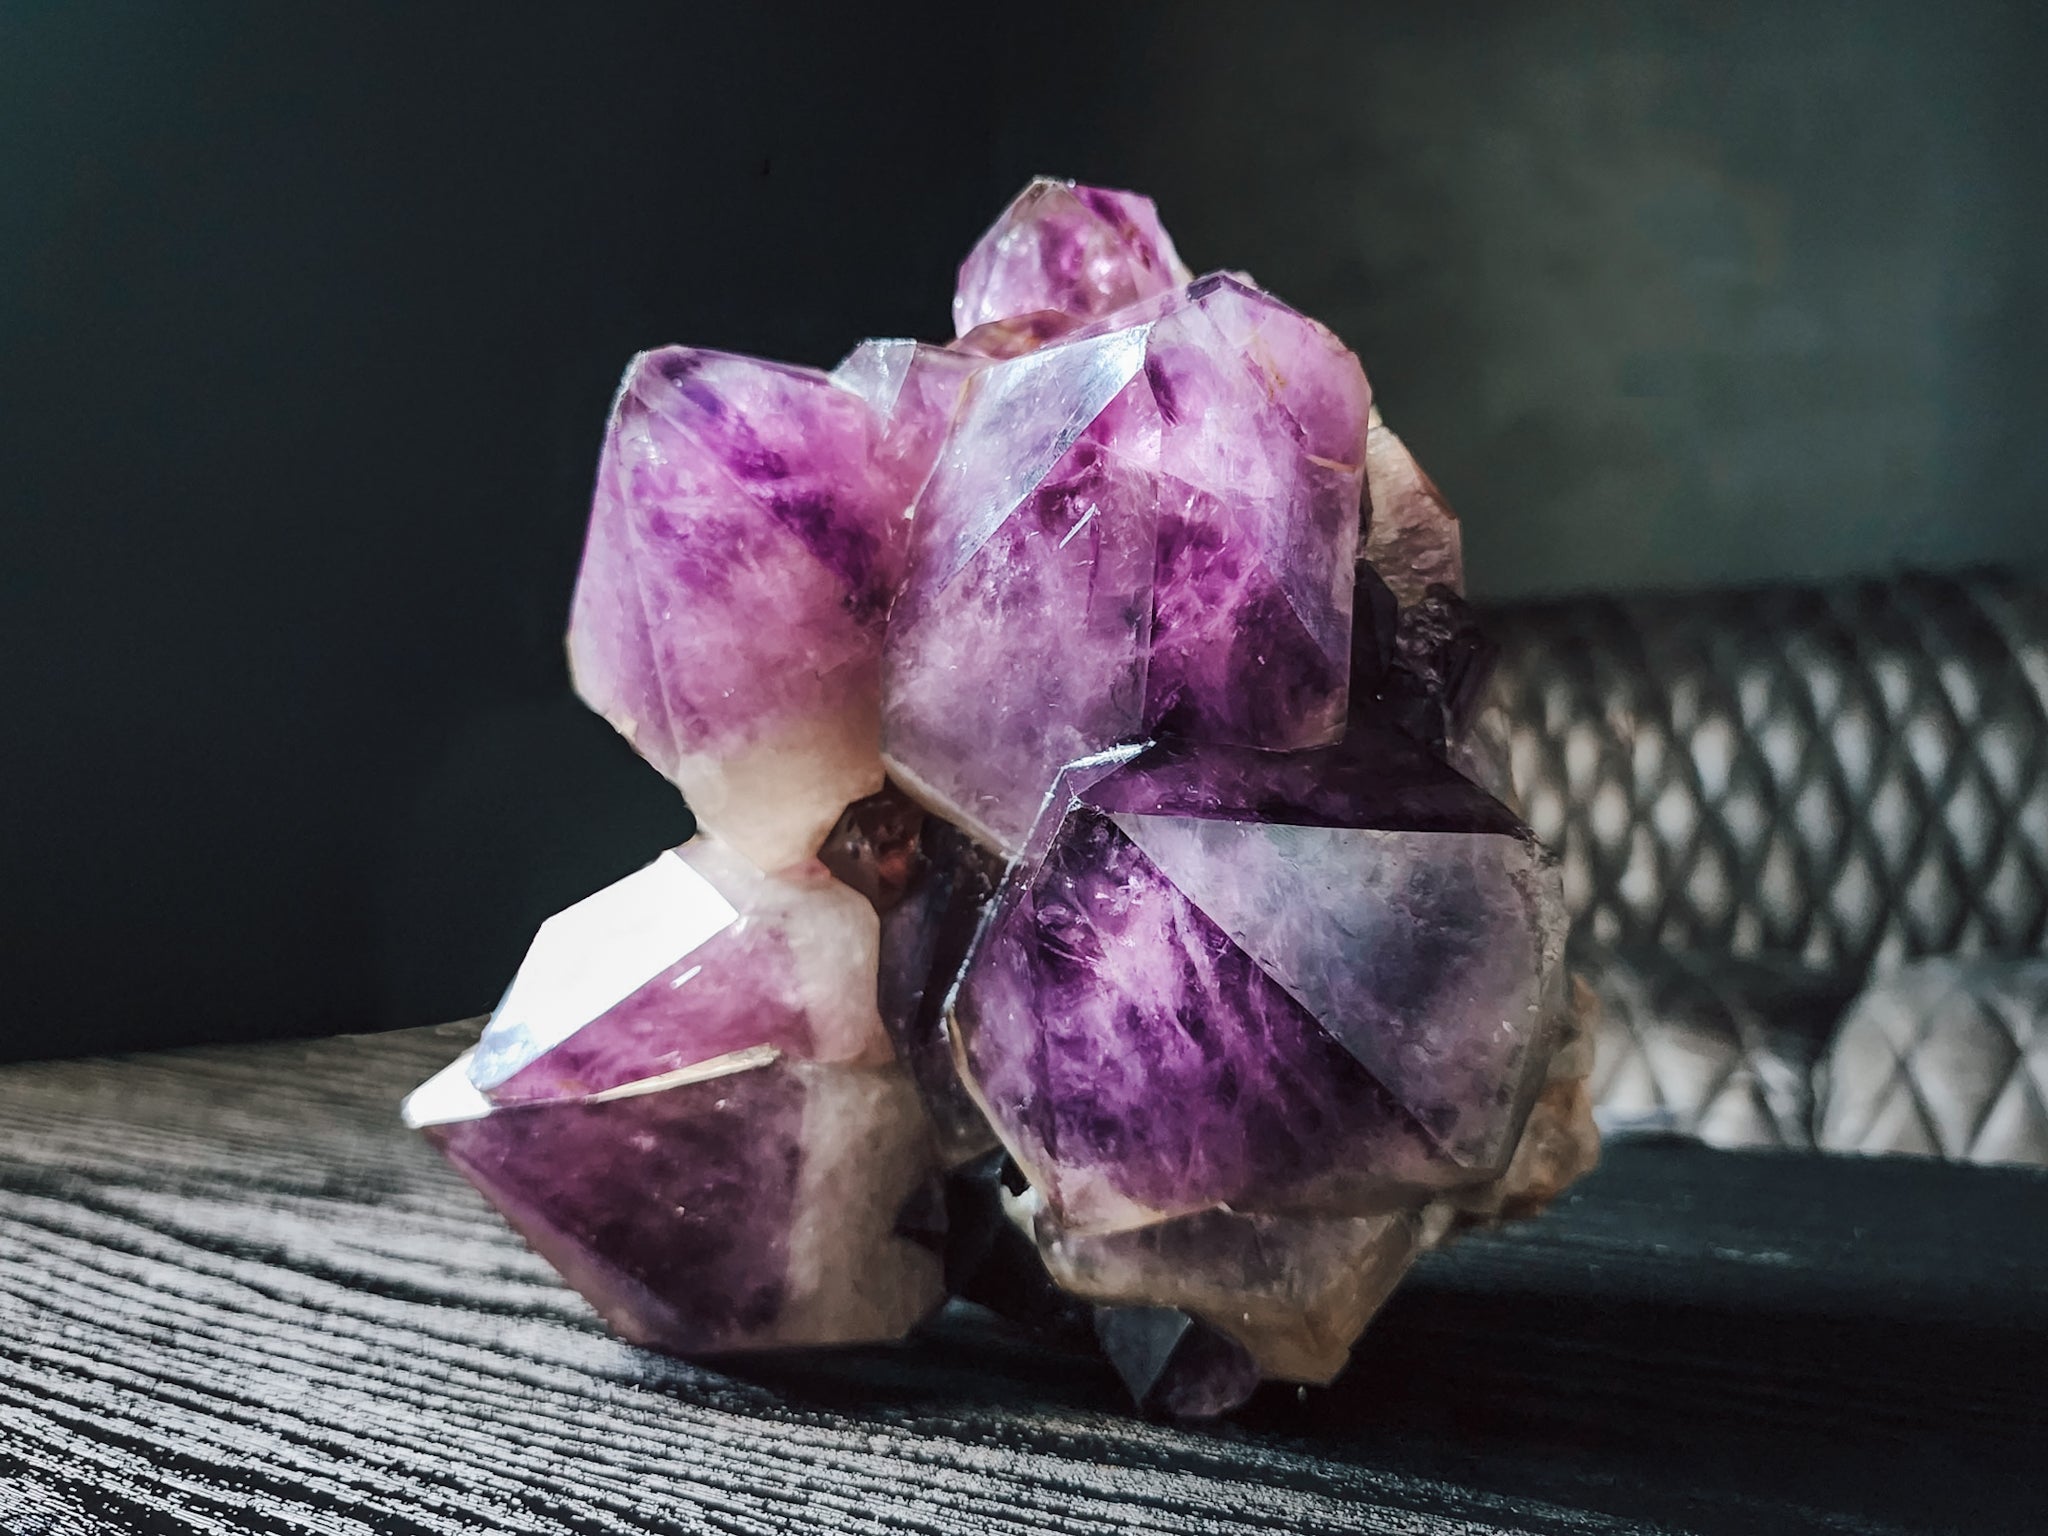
{"type": "Point", "coordinates": [755, 1209]}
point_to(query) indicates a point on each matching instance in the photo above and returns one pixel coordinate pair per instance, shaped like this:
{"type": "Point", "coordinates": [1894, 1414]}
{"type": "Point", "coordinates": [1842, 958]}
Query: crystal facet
{"type": "Point", "coordinates": [913, 389]}
{"type": "Point", "coordinates": [930, 882]}
{"type": "Point", "coordinates": [924, 941]}
{"type": "Point", "coordinates": [1293, 1291]}
{"type": "Point", "coordinates": [1175, 1363]}
{"type": "Point", "coordinates": [1092, 560]}
{"type": "Point", "coordinates": [1412, 538]}
{"type": "Point", "coordinates": [1017, 335]}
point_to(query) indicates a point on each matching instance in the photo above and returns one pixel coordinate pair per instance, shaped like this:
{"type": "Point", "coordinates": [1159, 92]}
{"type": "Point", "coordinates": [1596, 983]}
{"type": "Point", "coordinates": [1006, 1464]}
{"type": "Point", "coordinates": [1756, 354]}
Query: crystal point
{"type": "Point", "coordinates": [1073, 250]}
{"type": "Point", "coordinates": [1175, 1363]}
{"type": "Point", "coordinates": [1412, 535]}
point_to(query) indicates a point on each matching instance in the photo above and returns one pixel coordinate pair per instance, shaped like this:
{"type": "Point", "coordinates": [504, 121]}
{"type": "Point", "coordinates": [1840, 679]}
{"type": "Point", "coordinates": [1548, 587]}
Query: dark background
{"type": "Point", "coordinates": [309, 317]}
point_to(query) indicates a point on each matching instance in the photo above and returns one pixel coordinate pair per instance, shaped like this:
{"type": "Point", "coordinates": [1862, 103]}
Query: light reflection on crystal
{"type": "Point", "coordinates": [589, 958]}
{"type": "Point", "coordinates": [698, 955]}
{"type": "Point", "coordinates": [1073, 250]}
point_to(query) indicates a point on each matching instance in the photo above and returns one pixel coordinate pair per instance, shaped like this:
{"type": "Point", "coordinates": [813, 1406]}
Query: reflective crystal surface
{"type": "Point", "coordinates": [1092, 560]}
{"type": "Point", "coordinates": [914, 390]}
{"type": "Point", "coordinates": [696, 956]}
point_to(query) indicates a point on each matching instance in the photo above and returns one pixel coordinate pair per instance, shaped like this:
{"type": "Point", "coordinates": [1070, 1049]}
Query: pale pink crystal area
{"type": "Point", "coordinates": [1067, 249]}
{"type": "Point", "coordinates": [1179, 984]}
{"type": "Point", "coordinates": [913, 389]}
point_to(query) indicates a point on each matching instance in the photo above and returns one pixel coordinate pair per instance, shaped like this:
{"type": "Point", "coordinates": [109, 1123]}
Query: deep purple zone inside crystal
{"type": "Point", "coordinates": [842, 538]}
{"type": "Point", "coordinates": [674, 1206]}
{"type": "Point", "coordinates": [1192, 683]}
{"type": "Point", "coordinates": [1198, 1080]}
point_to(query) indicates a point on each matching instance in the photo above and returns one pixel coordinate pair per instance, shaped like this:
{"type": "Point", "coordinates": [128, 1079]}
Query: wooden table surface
{"type": "Point", "coordinates": [236, 1297]}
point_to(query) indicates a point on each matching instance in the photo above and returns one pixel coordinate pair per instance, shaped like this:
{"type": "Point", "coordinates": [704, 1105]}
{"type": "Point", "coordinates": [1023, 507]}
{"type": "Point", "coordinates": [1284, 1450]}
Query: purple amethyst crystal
{"type": "Point", "coordinates": [1092, 561]}
{"type": "Point", "coordinates": [744, 542]}
{"type": "Point", "coordinates": [1073, 250]}
{"type": "Point", "coordinates": [754, 1206]}
{"type": "Point", "coordinates": [1220, 977]}
{"type": "Point", "coordinates": [1175, 1363]}
{"type": "Point", "coordinates": [914, 390]}
{"type": "Point", "coordinates": [1172, 991]}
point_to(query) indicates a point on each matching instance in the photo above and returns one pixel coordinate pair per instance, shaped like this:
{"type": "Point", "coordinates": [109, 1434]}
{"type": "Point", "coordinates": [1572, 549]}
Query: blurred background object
{"type": "Point", "coordinates": [309, 321]}
{"type": "Point", "coordinates": [1770, 800]}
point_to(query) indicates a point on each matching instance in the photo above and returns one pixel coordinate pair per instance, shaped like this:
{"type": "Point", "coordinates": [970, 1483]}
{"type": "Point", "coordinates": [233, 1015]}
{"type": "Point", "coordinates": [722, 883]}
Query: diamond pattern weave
{"type": "Point", "coordinates": [1946, 1059]}
{"type": "Point", "coordinates": [1700, 1046]}
{"type": "Point", "coordinates": [1851, 777]}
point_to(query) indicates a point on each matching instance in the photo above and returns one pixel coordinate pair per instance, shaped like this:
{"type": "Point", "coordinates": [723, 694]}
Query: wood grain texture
{"type": "Point", "coordinates": [236, 1297]}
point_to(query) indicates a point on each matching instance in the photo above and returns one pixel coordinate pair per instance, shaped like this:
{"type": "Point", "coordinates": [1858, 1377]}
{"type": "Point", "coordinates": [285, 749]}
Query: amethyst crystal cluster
{"type": "Point", "coordinates": [1088, 918]}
